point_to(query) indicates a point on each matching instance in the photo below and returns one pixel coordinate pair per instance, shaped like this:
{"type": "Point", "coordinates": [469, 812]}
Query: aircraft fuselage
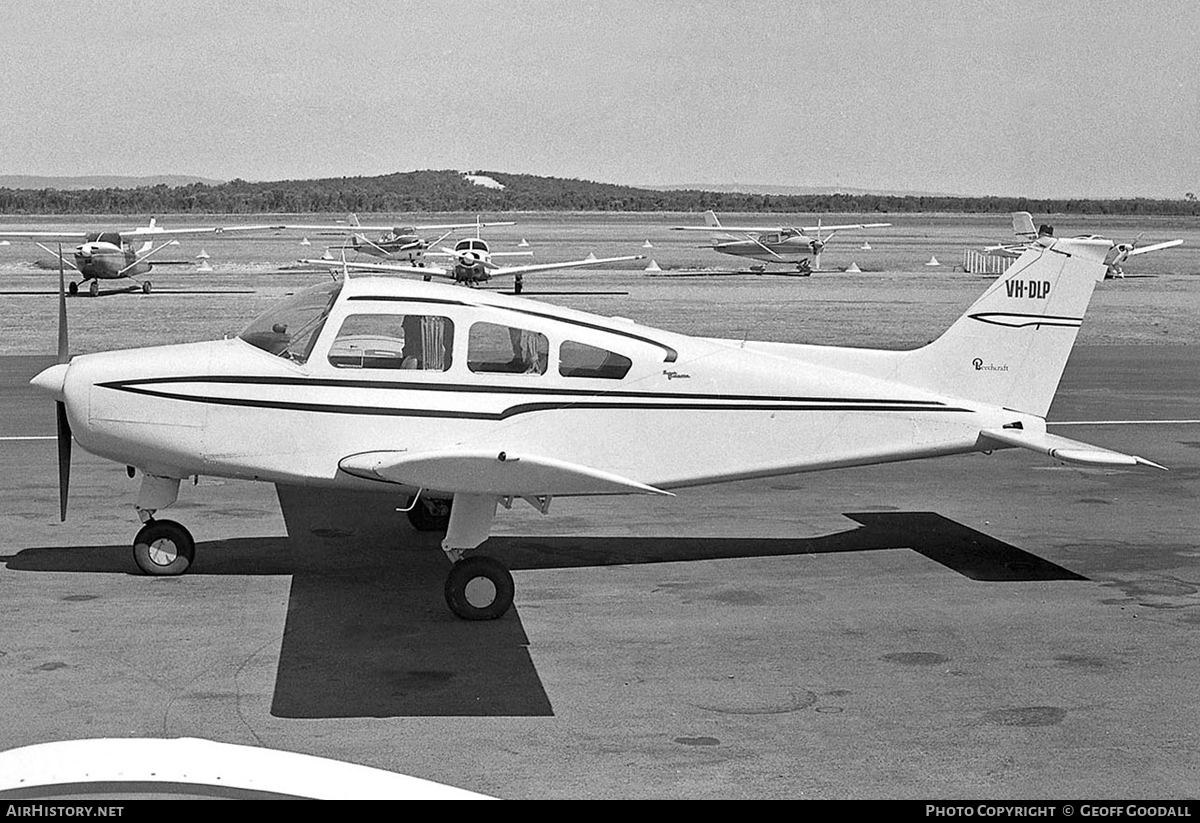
{"type": "Point", "coordinates": [405, 248]}
{"type": "Point", "coordinates": [104, 260]}
{"type": "Point", "coordinates": [643, 403]}
{"type": "Point", "coordinates": [796, 249]}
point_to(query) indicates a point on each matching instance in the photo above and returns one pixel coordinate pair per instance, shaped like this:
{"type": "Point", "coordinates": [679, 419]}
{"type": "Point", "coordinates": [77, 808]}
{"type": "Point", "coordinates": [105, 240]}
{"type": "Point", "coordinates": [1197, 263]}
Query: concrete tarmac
{"type": "Point", "coordinates": [998, 627]}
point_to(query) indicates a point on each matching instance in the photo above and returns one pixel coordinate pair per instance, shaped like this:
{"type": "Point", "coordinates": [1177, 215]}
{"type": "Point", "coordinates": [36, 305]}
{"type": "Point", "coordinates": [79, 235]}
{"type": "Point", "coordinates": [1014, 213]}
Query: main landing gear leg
{"type": "Point", "coordinates": [477, 587]}
{"type": "Point", "coordinates": [162, 547]}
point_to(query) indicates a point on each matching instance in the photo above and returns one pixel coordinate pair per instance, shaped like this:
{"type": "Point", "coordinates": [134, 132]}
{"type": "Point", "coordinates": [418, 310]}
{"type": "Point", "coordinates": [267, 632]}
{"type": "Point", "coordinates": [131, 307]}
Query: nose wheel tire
{"type": "Point", "coordinates": [72, 288]}
{"type": "Point", "coordinates": [146, 287]}
{"type": "Point", "coordinates": [479, 588]}
{"type": "Point", "coordinates": [163, 548]}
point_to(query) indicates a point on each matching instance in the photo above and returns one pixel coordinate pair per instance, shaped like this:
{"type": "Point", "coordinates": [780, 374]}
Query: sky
{"type": "Point", "coordinates": [1016, 98]}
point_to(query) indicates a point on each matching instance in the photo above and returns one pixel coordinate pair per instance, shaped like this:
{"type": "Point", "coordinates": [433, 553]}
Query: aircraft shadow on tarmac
{"type": "Point", "coordinates": [367, 632]}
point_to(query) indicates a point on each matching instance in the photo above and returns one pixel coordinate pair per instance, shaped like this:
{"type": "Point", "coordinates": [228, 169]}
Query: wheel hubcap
{"type": "Point", "coordinates": [163, 552]}
{"type": "Point", "coordinates": [480, 592]}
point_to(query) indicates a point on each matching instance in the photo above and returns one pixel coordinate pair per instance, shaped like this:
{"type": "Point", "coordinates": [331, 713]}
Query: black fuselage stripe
{"type": "Point", "coordinates": [521, 408]}
{"type": "Point", "coordinates": [458, 388]}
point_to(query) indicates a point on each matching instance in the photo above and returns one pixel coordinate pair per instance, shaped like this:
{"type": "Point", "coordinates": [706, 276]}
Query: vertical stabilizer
{"type": "Point", "coordinates": [1010, 348]}
{"type": "Point", "coordinates": [1023, 225]}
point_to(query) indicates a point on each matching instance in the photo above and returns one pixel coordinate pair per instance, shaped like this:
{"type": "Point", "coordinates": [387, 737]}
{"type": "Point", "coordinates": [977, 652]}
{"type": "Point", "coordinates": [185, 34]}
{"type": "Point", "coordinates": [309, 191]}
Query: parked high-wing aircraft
{"type": "Point", "coordinates": [458, 401]}
{"type": "Point", "coordinates": [773, 244]}
{"type": "Point", "coordinates": [473, 264]}
{"type": "Point", "coordinates": [115, 255]}
{"type": "Point", "coordinates": [406, 244]}
{"type": "Point", "coordinates": [1115, 259]}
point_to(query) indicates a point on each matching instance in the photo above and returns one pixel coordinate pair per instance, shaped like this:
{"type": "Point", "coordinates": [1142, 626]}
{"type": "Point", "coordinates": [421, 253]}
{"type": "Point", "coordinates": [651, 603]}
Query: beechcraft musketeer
{"type": "Point", "coordinates": [789, 245]}
{"type": "Point", "coordinates": [459, 401]}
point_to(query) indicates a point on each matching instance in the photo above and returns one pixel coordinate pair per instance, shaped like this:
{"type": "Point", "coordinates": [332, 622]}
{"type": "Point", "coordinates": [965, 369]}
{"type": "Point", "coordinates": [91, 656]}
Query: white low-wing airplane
{"type": "Point", "coordinates": [473, 264]}
{"type": "Point", "coordinates": [116, 255]}
{"type": "Point", "coordinates": [458, 401]}
{"type": "Point", "coordinates": [1117, 255]}
{"type": "Point", "coordinates": [773, 244]}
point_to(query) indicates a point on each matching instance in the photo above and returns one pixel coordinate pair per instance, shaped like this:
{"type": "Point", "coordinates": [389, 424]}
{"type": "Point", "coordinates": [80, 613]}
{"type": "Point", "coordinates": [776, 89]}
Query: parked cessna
{"type": "Point", "coordinates": [473, 264]}
{"type": "Point", "coordinates": [403, 244]}
{"type": "Point", "coordinates": [458, 401]}
{"type": "Point", "coordinates": [115, 255]}
{"type": "Point", "coordinates": [773, 244]}
{"type": "Point", "coordinates": [1117, 255]}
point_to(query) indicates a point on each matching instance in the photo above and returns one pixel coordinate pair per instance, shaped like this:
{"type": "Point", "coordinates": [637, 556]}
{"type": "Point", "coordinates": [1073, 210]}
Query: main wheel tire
{"type": "Point", "coordinates": [72, 288]}
{"type": "Point", "coordinates": [146, 287]}
{"type": "Point", "coordinates": [479, 588]}
{"type": "Point", "coordinates": [430, 515]}
{"type": "Point", "coordinates": [164, 548]}
{"type": "Point", "coordinates": [94, 288]}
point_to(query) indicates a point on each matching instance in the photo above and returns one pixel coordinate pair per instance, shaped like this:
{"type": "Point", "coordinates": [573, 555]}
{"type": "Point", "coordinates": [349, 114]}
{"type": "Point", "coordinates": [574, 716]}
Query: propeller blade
{"type": "Point", "coordinates": [64, 459]}
{"type": "Point", "coordinates": [64, 352]}
{"type": "Point", "coordinates": [64, 427]}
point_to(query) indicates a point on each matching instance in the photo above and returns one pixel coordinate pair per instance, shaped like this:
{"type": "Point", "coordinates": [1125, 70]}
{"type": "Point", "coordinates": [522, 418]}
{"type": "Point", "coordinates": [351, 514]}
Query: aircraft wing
{"type": "Point", "coordinates": [47, 235]}
{"type": "Point", "coordinates": [154, 231]}
{"type": "Point", "coordinates": [350, 228]}
{"type": "Point", "coordinates": [501, 271]}
{"type": "Point", "coordinates": [723, 229]}
{"type": "Point", "coordinates": [1156, 247]}
{"type": "Point", "coordinates": [390, 268]}
{"type": "Point", "coordinates": [1065, 449]}
{"type": "Point", "coordinates": [846, 226]}
{"type": "Point", "coordinates": [493, 472]}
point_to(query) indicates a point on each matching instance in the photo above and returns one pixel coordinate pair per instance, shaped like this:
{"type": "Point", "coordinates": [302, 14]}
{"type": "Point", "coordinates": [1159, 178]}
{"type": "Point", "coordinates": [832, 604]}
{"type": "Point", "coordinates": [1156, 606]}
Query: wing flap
{"type": "Point", "coordinates": [489, 472]}
{"type": "Point", "coordinates": [1065, 449]}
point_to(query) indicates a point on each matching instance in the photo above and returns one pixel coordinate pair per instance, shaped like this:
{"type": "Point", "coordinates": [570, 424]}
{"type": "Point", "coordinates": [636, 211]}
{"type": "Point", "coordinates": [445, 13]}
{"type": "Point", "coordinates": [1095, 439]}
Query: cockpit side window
{"type": "Point", "coordinates": [505, 349]}
{"type": "Point", "coordinates": [393, 341]}
{"type": "Point", "coordinates": [582, 360]}
{"type": "Point", "coordinates": [291, 326]}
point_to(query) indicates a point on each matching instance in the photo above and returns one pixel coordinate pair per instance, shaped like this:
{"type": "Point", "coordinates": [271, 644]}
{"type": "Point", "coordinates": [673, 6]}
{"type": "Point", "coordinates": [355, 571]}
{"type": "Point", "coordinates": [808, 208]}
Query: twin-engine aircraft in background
{"type": "Point", "coordinates": [471, 264]}
{"type": "Point", "coordinates": [773, 244]}
{"type": "Point", "coordinates": [457, 401]}
{"type": "Point", "coordinates": [405, 244]}
{"type": "Point", "coordinates": [1115, 259]}
{"type": "Point", "coordinates": [115, 255]}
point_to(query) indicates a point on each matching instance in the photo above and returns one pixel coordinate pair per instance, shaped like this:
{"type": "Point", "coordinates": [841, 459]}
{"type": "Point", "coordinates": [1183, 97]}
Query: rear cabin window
{"type": "Point", "coordinates": [506, 350]}
{"type": "Point", "coordinates": [582, 360]}
{"type": "Point", "coordinates": [393, 341]}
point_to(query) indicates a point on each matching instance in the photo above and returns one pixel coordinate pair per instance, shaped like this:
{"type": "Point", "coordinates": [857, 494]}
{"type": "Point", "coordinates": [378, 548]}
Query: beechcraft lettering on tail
{"type": "Point", "coordinates": [458, 402]}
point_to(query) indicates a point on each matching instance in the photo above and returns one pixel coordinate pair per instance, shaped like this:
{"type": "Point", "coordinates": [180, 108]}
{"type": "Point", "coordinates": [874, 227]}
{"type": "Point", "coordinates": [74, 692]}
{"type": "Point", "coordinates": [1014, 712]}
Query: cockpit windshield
{"type": "Point", "coordinates": [290, 327]}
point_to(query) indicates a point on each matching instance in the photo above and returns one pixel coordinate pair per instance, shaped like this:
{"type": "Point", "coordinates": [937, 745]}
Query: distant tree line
{"type": "Point", "coordinates": [449, 191]}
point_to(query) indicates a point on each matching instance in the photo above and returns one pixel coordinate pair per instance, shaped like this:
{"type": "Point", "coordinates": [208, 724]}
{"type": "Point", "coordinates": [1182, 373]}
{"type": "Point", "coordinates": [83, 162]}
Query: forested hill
{"type": "Point", "coordinates": [452, 191]}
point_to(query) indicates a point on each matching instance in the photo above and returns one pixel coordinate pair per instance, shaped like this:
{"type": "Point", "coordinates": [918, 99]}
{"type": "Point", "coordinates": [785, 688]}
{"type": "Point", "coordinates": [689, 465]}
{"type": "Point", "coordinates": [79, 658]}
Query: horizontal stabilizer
{"type": "Point", "coordinates": [489, 472]}
{"type": "Point", "coordinates": [1065, 449]}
